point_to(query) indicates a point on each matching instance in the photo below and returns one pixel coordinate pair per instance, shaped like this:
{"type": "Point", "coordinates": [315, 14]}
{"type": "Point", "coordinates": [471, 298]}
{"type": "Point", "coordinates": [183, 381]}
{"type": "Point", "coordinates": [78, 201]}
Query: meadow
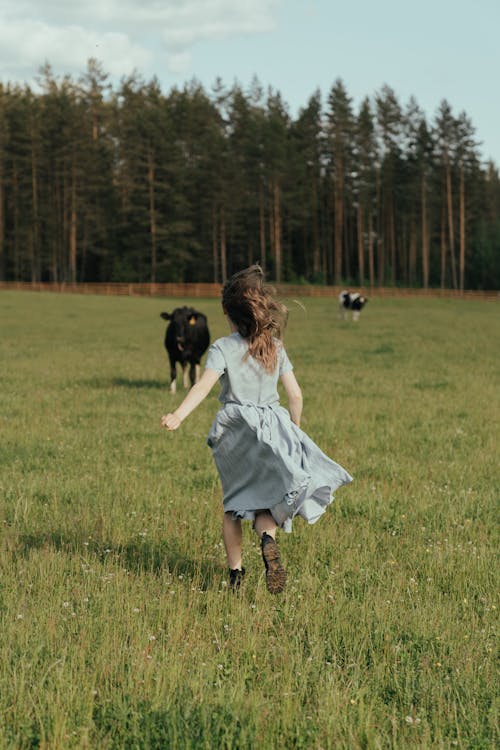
{"type": "Point", "coordinates": [117, 629]}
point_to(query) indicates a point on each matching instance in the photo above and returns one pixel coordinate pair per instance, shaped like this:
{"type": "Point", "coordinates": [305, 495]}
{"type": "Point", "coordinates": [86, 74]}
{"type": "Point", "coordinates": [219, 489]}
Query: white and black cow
{"type": "Point", "coordinates": [186, 340]}
{"type": "Point", "coordinates": [351, 301]}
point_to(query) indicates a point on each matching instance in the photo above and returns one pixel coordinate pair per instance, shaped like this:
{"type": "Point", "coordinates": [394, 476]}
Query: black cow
{"type": "Point", "coordinates": [351, 301]}
{"type": "Point", "coordinates": [186, 339]}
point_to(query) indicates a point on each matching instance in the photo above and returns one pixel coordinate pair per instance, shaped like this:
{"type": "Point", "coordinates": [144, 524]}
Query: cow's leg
{"type": "Point", "coordinates": [173, 375]}
{"type": "Point", "coordinates": [192, 373]}
{"type": "Point", "coordinates": [197, 373]}
{"type": "Point", "coordinates": [185, 378]}
{"type": "Point", "coordinates": [355, 315]}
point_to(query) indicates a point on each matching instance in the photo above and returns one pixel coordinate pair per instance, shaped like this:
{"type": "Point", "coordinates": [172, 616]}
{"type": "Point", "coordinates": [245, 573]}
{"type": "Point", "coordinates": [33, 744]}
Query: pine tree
{"type": "Point", "coordinates": [340, 133]}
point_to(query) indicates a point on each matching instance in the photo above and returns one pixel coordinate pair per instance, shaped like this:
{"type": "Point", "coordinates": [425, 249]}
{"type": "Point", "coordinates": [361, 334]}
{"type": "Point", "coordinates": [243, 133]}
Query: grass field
{"type": "Point", "coordinates": [116, 626]}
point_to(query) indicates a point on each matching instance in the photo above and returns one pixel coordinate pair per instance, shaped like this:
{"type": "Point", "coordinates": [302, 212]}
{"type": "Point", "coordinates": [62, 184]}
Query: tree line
{"type": "Point", "coordinates": [128, 183]}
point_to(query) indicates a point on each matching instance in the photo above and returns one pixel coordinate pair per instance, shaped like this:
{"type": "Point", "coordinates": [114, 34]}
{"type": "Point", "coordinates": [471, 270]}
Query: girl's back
{"type": "Point", "coordinates": [243, 379]}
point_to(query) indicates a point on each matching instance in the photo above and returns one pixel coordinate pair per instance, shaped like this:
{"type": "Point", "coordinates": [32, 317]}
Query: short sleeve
{"type": "Point", "coordinates": [284, 363]}
{"type": "Point", "coordinates": [215, 359]}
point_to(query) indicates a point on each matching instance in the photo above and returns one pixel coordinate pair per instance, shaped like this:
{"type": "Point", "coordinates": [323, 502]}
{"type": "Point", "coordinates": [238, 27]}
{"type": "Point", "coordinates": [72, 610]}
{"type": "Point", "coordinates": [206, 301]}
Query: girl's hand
{"type": "Point", "coordinates": [170, 421]}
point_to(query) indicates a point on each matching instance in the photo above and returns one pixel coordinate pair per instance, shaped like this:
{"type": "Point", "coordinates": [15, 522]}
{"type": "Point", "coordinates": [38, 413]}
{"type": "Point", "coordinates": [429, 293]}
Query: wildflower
{"type": "Point", "coordinates": [412, 720]}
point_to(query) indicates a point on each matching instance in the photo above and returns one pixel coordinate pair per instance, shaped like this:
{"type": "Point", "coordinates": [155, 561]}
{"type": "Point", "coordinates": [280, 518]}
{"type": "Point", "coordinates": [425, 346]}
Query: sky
{"type": "Point", "coordinates": [431, 49]}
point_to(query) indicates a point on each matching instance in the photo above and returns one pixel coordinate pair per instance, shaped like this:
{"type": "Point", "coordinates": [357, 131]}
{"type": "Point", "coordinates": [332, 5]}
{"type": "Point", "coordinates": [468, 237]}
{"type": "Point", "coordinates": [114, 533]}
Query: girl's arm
{"type": "Point", "coordinates": [198, 392]}
{"type": "Point", "coordinates": [294, 394]}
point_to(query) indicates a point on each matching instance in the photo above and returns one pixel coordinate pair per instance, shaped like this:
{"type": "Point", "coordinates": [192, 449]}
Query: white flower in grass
{"type": "Point", "coordinates": [412, 720]}
{"type": "Point", "coordinates": [65, 605]}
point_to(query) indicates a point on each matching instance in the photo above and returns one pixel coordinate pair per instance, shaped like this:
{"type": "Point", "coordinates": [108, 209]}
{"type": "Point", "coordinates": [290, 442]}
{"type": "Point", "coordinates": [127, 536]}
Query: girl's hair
{"type": "Point", "coordinates": [258, 316]}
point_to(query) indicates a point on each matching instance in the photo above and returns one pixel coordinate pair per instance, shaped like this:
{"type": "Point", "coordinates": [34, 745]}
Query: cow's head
{"type": "Point", "coordinates": [181, 320]}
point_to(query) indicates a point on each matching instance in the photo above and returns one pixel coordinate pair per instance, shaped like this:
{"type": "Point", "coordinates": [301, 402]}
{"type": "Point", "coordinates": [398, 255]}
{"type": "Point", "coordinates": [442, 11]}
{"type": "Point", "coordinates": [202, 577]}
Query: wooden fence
{"type": "Point", "coordinates": [214, 290]}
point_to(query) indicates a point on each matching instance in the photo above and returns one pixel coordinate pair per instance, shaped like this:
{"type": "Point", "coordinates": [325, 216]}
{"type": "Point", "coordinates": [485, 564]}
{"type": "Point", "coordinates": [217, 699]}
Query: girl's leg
{"type": "Point", "coordinates": [232, 536]}
{"type": "Point", "coordinates": [265, 524]}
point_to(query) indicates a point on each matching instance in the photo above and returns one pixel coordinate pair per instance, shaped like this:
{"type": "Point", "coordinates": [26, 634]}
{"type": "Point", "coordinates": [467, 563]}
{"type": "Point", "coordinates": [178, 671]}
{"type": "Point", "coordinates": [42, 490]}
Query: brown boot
{"type": "Point", "coordinates": [236, 577]}
{"type": "Point", "coordinates": [275, 572]}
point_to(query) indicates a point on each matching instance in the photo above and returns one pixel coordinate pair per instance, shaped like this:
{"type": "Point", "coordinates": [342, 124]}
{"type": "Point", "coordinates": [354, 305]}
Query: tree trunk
{"type": "Point", "coordinates": [316, 247]}
{"type": "Point", "coordinates": [339, 225]}
{"type": "Point", "coordinates": [425, 239]}
{"type": "Point", "coordinates": [262, 231]}
{"type": "Point", "coordinates": [15, 201]}
{"type": "Point", "coordinates": [403, 254]}
{"type": "Point", "coordinates": [272, 244]}
{"type": "Point", "coordinates": [380, 237]}
{"type": "Point", "coordinates": [35, 265]}
{"type": "Point", "coordinates": [277, 232]}
{"type": "Point", "coordinates": [462, 229]}
{"type": "Point", "coordinates": [412, 253]}
{"type": "Point", "coordinates": [64, 237]}
{"type": "Point", "coordinates": [451, 233]}
{"type": "Point", "coordinates": [361, 245]}
{"type": "Point", "coordinates": [392, 236]}
{"type": "Point", "coordinates": [215, 249]}
{"type": "Point", "coordinates": [371, 260]}
{"type": "Point", "coordinates": [443, 246]}
{"type": "Point", "coordinates": [348, 243]}
{"type": "Point", "coordinates": [72, 229]}
{"type": "Point", "coordinates": [223, 258]}
{"type": "Point", "coordinates": [152, 216]}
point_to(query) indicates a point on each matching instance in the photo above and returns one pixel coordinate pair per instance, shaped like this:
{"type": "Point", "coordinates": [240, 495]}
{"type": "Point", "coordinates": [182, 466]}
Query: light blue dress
{"type": "Point", "coordinates": [264, 460]}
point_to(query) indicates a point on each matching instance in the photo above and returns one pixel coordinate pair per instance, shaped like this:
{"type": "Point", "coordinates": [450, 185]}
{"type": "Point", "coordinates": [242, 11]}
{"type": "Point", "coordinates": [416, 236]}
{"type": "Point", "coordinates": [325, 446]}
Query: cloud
{"type": "Point", "coordinates": [24, 46]}
{"type": "Point", "coordinates": [122, 34]}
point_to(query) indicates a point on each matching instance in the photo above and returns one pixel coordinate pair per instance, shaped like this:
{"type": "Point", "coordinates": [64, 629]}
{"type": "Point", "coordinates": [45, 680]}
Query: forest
{"type": "Point", "coordinates": [130, 183]}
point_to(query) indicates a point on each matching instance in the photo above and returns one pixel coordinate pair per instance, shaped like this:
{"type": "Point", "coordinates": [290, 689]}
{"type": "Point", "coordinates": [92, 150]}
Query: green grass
{"type": "Point", "coordinates": [117, 629]}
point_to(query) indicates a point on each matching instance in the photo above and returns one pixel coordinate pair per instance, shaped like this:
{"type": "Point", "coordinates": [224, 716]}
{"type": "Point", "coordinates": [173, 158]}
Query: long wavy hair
{"type": "Point", "coordinates": [258, 316]}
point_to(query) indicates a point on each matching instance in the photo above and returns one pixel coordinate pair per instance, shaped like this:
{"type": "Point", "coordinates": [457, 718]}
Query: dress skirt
{"type": "Point", "coordinates": [266, 462]}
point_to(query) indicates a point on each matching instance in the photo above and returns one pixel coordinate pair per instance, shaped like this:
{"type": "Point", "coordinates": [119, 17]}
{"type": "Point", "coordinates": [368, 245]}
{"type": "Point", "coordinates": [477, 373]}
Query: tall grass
{"type": "Point", "coordinates": [117, 628]}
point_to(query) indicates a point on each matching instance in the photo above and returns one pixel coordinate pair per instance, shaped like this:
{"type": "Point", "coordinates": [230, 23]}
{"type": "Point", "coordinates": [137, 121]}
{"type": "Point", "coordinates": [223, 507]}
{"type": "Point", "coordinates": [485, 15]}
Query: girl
{"type": "Point", "coordinates": [269, 468]}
